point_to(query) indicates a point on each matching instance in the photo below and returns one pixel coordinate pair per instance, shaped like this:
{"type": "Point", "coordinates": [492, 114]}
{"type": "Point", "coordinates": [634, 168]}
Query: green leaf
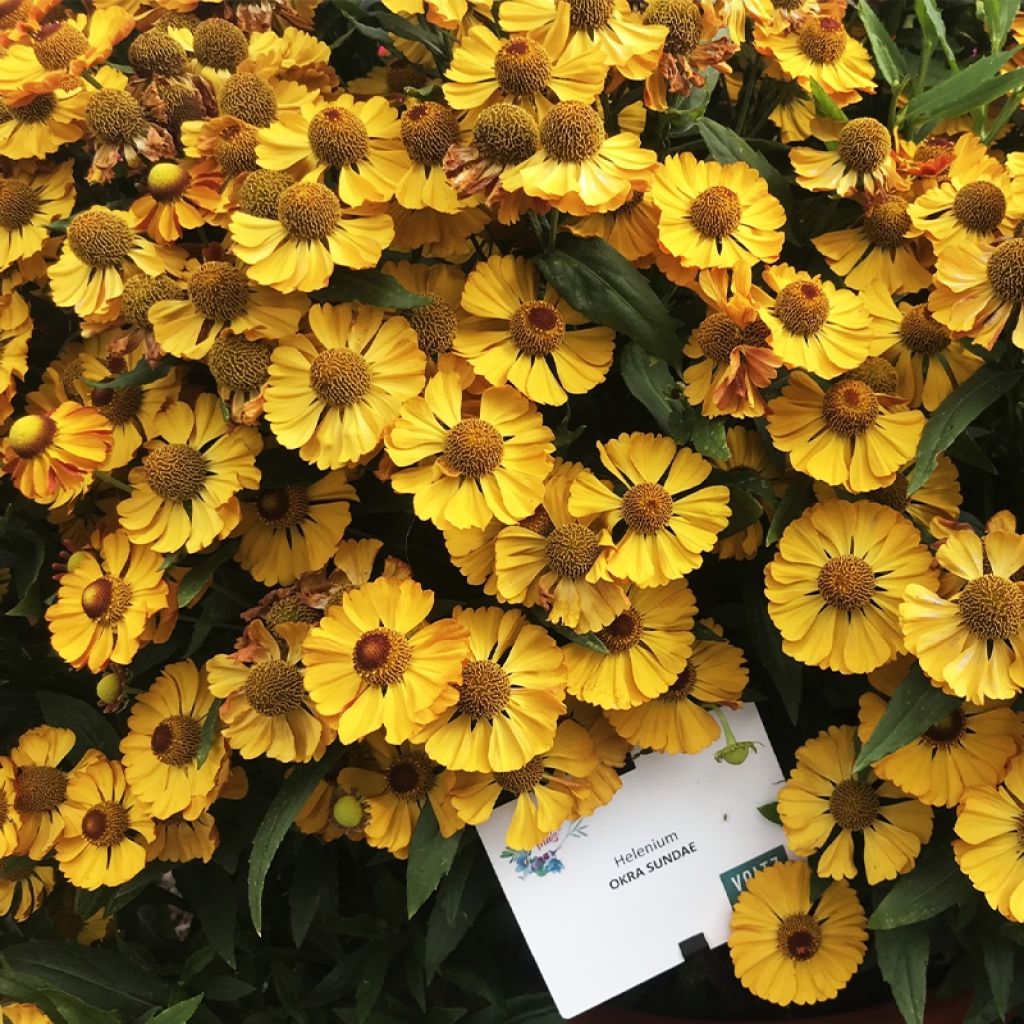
{"type": "Point", "coordinates": [605, 287]}
{"type": "Point", "coordinates": [959, 409]}
{"type": "Point", "coordinates": [963, 91]}
{"type": "Point", "coordinates": [293, 793]}
{"type": "Point", "coordinates": [209, 733]}
{"type": "Point", "coordinates": [796, 498]}
{"type": "Point", "coordinates": [999, 956]}
{"type": "Point", "coordinates": [903, 961]}
{"type": "Point", "coordinates": [591, 641]}
{"type": "Point", "coordinates": [372, 288]}
{"type": "Point", "coordinates": [651, 382]}
{"type": "Point", "coordinates": [210, 891]}
{"type": "Point", "coordinates": [965, 449]}
{"type": "Point", "coordinates": [914, 708]}
{"type": "Point", "coordinates": [727, 147]}
{"type": "Point", "coordinates": [446, 928]}
{"type": "Point", "coordinates": [179, 1013]}
{"type": "Point", "coordinates": [140, 374]}
{"type": "Point", "coordinates": [314, 863]}
{"type": "Point", "coordinates": [199, 575]}
{"type": "Point", "coordinates": [372, 977]}
{"type": "Point", "coordinates": [933, 28]}
{"type": "Point", "coordinates": [708, 438]}
{"type": "Point", "coordinates": [999, 16]}
{"type": "Point", "coordinates": [934, 885]}
{"type": "Point", "coordinates": [745, 510]}
{"type": "Point", "coordinates": [56, 1004]}
{"type": "Point", "coordinates": [771, 812]}
{"type": "Point", "coordinates": [430, 859]}
{"type": "Point", "coordinates": [825, 106]}
{"type": "Point", "coordinates": [786, 674]}
{"type": "Point", "coordinates": [887, 56]}
{"type": "Point", "coordinates": [92, 728]}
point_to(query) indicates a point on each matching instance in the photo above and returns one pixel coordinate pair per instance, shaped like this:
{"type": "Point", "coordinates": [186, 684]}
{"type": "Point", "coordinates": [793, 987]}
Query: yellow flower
{"type": "Point", "coordinates": [979, 289]}
{"type": "Point", "coordinates": [820, 50]}
{"type": "Point", "coordinates": [647, 647]}
{"type": "Point", "coordinates": [23, 1013]}
{"type": "Point", "coordinates": [375, 661]}
{"type": "Point", "coordinates": [10, 816]}
{"type": "Point", "coordinates": [266, 710]}
{"type": "Point", "coordinates": [99, 245]}
{"type": "Point", "coordinates": [40, 787]}
{"type": "Point", "coordinates": [846, 434]}
{"type": "Point", "coordinates": [732, 346]}
{"type": "Point", "coordinates": [973, 638]}
{"type": "Point", "coordinates": [179, 197]}
{"type": "Point", "coordinates": [794, 116]}
{"type": "Point", "coordinates": [929, 363]}
{"type": "Point", "coordinates": [530, 338]}
{"type": "Point", "coordinates": [631, 229]}
{"type": "Point", "coordinates": [472, 552]}
{"type": "Point", "coordinates": [476, 460]}
{"type": "Point", "coordinates": [544, 788]}
{"type": "Point", "coordinates": [15, 331]}
{"type": "Point", "coordinates": [523, 69]}
{"type": "Point", "coordinates": [579, 169]}
{"type": "Point", "coordinates": [862, 161]}
{"type": "Point", "coordinates": [31, 198]}
{"type": "Point", "coordinates": [510, 696]}
{"type": "Point", "coordinates": [105, 827]}
{"type": "Point", "coordinates": [40, 127]}
{"type": "Point", "coordinates": [816, 326]}
{"type": "Point", "coordinates": [789, 948]}
{"type": "Point", "coordinates": [878, 250]}
{"type": "Point", "coordinates": [160, 752]}
{"type": "Point", "coordinates": [393, 791]}
{"type": "Point", "coordinates": [291, 530]}
{"type": "Point", "coordinates": [23, 887]}
{"type": "Point", "coordinates": [662, 523]}
{"type": "Point", "coordinates": [837, 579]}
{"type": "Point", "coordinates": [823, 804]}
{"type": "Point", "coordinates": [218, 298]}
{"type": "Point", "coordinates": [559, 562]}
{"type": "Point", "coordinates": [975, 201]}
{"type": "Point", "coordinates": [971, 746]}
{"type": "Point", "coordinates": [438, 322]}
{"type": "Point", "coordinates": [675, 722]}
{"type": "Point", "coordinates": [179, 840]}
{"type": "Point", "coordinates": [610, 28]}
{"type": "Point", "coordinates": [989, 846]}
{"type": "Point", "coordinates": [428, 130]}
{"type": "Point", "coordinates": [359, 142]}
{"type": "Point", "coordinates": [716, 215]}
{"type": "Point", "coordinates": [333, 393]}
{"type": "Point", "coordinates": [298, 249]}
{"type": "Point", "coordinates": [184, 491]}
{"type": "Point", "coordinates": [50, 458]}
{"type": "Point", "coordinates": [748, 450]}
{"type": "Point", "coordinates": [104, 601]}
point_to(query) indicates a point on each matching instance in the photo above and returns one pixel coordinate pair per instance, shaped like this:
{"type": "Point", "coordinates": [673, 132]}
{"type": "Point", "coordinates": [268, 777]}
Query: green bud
{"type": "Point", "coordinates": [109, 688]}
{"type": "Point", "coordinates": [736, 753]}
{"type": "Point", "coordinates": [348, 811]}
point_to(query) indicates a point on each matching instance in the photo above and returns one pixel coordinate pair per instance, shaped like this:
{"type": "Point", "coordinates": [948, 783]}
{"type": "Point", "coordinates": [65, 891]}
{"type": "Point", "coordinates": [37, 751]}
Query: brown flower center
{"type": "Point", "coordinates": [853, 804]}
{"type": "Point", "coordinates": [682, 687]}
{"type": "Point", "coordinates": [523, 780]}
{"type": "Point", "coordinates": [683, 20]}
{"type": "Point", "coordinates": [340, 377]}
{"type": "Point", "coordinates": [572, 550]}
{"type": "Point", "coordinates": [274, 688]}
{"type": "Point", "coordinates": [947, 732]}
{"type": "Point", "coordinates": [538, 522]}
{"type": "Point", "coordinates": [506, 134]}
{"type": "Point", "coordinates": [19, 203]}
{"type": "Point", "coordinates": [401, 75]}
{"type": "Point", "coordinates": [115, 117]}
{"type": "Point", "coordinates": [248, 97]}
{"type": "Point", "coordinates": [1006, 270]}
{"type": "Point", "coordinates": [802, 307]}
{"type": "Point", "coordinates": [571, 132]}
{"type": "Point", "coordinates": [715, 212]}
{"type": "Point", "coordinates": [716, 336]}
{"type": "Point", "coordinates": [58, 44]}
{"type": "Point", "coordinates": [864, 144]}
{"type": "Point", "coordinates": [381, 657]}
{"type": "Point", "coordinates": [522, 66]}
{"type": "Point", "coordinates": [100, 238]}
{"type": "Point", "coordinates": [428, 129]}
{"type": "Point", "coordinates": [877, 373]}
{"type": "Point", "coordinates": [176, 472]}
{"type": "Point", "coordinates": [887, 223]}
{"type": "Point", "coordinates": [894, 496]}
{"type": "Point", "coordinates": [537, 328]}
{"type": "Point", "coordinates": [308, 210]}
{"type": "Point", "coordinates": [107, 599]}
{"type": "Point", "coordinates": [338, 137]}
{"type": "Point", "coordinates": [410, 776]}
{"type": "Point", "coordinates": [39, 789]}
{"type": "Point", "coordinates": [647, 508]}
{"type": "Point", "coordinates": [846, 582]}
{"type": "Point", "coordinates": [175, 741]}
{"type": "Point", "coordinates": [154, 52]}
{"type": "Point", "coordinates": [261, 191]}
{"type": "Point", "coordinates": [823, 40]}
{"type": "Point", "coordinates": [34, 112]}
{"type": "Point", "coordinates": [105, 824]}
{"type": "Point", "coordinates": [219, 291]}
{"type": "Point", "coordinates": [473, 448]}
{"type": "Point", "coordinates": [992, 607]}
{"type": "Point", "coordinates": [849, 407]}
{"type": "Point", "coordinates": [435, 323]}
{"type": "Point", "coordinates": [589, 15]}
{"type": "Point", "coordinates": [923, 334]}
{"type": "Point", "coordinates": [980, 206]}
{"type": "Point", "coordinates": [239, 364]}
{"type": "Point", "coordinates": [118, 405]}
{"type": "Point", "coordinates": [798, 937]}
{"type": "Point", "coordinates": [284, 507]}
{"type": "Point", "coordinates": [141, 293]}
{"type": "Point", "coordinates": [235, 148]}
{"type": "Point", "coordinates": [484, 690]}
{"type": "Point", "coordinates": [219, 44]}
{"type": "Point", "coordinates": [623, 632]}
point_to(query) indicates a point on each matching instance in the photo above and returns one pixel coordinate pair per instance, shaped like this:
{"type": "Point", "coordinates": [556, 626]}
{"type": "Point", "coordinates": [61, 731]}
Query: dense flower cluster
{"type": "Point", "coordinates": [246, 300]}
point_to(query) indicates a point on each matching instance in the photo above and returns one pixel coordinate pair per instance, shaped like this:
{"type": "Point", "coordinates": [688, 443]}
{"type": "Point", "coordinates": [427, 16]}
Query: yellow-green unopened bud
{"type": "Point", "coordinates": [348, 811]}
{"type": "Point", "coordinates": [108, 689]}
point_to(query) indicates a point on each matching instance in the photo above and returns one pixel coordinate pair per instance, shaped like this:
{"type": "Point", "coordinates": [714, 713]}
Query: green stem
{"type": "Point", "coordinates": [730, 738]}
{"type": "Point", "coordinates": [926, 59]}
{"type": "Point", "coordinates": [112, 481]}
